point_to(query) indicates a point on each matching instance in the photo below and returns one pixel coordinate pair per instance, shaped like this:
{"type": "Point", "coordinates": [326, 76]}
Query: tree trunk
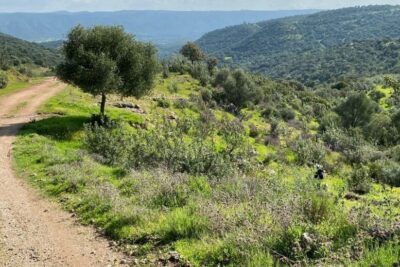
{"type": "Point", "coordinates": [103, 104]}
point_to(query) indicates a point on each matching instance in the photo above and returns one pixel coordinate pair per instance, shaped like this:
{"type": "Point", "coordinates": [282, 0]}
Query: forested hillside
{"type": "Point", "coordinates": [160, 27]}
{"type": "Point", "coordinates": [16, 52]}
{"type": "Point", "coordinates": [325, 38]}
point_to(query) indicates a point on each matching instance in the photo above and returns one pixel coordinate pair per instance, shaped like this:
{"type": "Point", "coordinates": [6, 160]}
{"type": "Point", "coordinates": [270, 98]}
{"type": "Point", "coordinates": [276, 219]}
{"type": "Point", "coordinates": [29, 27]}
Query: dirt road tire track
{"type": "Point", "coordinates": [33, 230]}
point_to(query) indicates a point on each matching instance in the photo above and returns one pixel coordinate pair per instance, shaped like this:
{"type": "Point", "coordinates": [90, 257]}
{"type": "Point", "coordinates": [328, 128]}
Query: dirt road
{"type": "Point", "coordinates": [33, 230]}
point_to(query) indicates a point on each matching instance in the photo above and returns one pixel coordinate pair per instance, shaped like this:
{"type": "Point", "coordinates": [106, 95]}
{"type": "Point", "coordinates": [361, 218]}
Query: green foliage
{"type": "Point", "coordinates": [103, 60]}
{"type": "Point", "coordinates": [330, 120]}
{"type": "Point", "coordinates": [308, 151]}
{"type": "Point", "coordinates": [183, 223]}
{"type": "Point", "coordinates": [316, 48]}
{"type": "Point", "coordinates": [15, 52]}
{"type": "Point", "coordinates": [192, 52]}
{"type": "Point", "coordinates": [235, 88]}
{"type": "Point", "coordinates": [3, 80]}
{"type": "Point", "coordinates": [184, 147]}
{"type": "Point", "coordinates": [357, 110]}
{"type": "Point", "coordinates": [360, 180]}
{"type": "Point", "coordinates": [381, 130]}
{"type": "Point", "coordinates": [386, 172]}
{"type": "Point", "coordinates": [212, 63]}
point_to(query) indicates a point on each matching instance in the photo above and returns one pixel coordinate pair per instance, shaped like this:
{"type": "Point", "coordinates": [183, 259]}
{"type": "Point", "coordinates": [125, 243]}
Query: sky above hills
{"type": "Point", "coordinates": [107, 5]}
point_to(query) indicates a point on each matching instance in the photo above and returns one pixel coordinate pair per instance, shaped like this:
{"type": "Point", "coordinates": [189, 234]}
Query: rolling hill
{"type": "Point", "coordinates": [14, 52]}
{"type": "Point", "coordinates": [164, 28]}
{"type": "Point", "coordinates": [301, 46]}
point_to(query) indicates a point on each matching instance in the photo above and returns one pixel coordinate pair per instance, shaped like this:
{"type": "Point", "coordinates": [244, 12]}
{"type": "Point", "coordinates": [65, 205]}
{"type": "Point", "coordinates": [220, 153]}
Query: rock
{"type": "Point", "coordinates": [351, 196]}
{"type": "Point", "coordinates": [123, 105]}
{"type": "Point", "coordinates": [174, 256]}
{"type": "Point", "coordinates": [123, 261]}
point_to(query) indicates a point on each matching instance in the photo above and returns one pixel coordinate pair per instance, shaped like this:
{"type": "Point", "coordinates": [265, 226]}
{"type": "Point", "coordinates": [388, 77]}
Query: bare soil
{"type": "Point", "coordinates": [33, 230]}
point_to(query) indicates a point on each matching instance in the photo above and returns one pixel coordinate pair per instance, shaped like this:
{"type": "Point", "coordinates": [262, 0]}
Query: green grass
{"type": "Point", "coordinates": [17, 86]}
{"type": "Point", "coordinates": [209, 223]}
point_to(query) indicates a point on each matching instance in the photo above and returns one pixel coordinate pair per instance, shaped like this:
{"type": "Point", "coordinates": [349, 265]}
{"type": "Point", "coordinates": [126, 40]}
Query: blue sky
{"type": "Point", "coordinates": [96, 5]}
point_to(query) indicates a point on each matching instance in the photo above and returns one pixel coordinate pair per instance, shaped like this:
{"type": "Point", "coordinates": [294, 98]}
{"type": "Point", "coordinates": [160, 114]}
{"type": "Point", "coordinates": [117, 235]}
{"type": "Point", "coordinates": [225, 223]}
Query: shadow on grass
{"type": "Point", "coordinates": [57, 128]}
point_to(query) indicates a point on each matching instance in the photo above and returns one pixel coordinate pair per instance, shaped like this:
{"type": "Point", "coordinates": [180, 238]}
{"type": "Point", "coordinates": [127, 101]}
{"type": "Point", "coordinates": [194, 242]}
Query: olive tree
{"type": "Point", "coordinates": [104, 60]}
{"type": "Point", "coordinates": [192, 52]}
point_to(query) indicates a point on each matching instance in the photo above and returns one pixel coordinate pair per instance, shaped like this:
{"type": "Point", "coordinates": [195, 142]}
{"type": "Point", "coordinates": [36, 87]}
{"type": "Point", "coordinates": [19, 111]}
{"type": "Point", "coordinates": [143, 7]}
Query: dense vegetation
{"type": "Point", "coordinates": [216, 168]}
{"type": "Point", "coordinates": [316, 48]}
{"type": "Point", "coordinates": [17, 53]}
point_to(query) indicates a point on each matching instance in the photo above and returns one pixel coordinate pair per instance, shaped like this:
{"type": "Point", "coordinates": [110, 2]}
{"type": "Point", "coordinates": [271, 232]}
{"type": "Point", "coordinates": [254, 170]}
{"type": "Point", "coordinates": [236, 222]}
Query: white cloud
{"type": "Point", "coordinates": [93, 5]}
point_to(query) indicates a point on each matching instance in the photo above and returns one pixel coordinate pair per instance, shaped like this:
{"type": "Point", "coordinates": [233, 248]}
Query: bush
{"type": "Point", "coordinates": [254, 132]}
{"type": "Point", "coordinates": [360, 181]}
{"type": "Point", "coordinates": [200, 72]}
{"type": "Point", "coordinates": [386, 171]}
{"type": "Point", "coordinates": [287, 114]}
{"type": "Point", "coordinates": [381, 131]}
{"type": "Point", "coordinates": [113, 144]}
{"type": "Point", "coordinates": [3, 80]}
{"type": "Point", "coordinates": [238, 88]}
{"type": "Point", "coordinates": [162, 102]}
{"type": "Point", "coordinates": [308, 152]}
{"type": "Point", "coordinates": [357, 110]}
{"type": "Point", "coordinates": [164, 146]}
{"type": "Point", "coordinates": [330, 120]}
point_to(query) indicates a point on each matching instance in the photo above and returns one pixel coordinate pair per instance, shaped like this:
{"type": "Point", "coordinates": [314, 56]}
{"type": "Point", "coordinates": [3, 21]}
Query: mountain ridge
{"type": "Point", "coordinates": [293, 36]}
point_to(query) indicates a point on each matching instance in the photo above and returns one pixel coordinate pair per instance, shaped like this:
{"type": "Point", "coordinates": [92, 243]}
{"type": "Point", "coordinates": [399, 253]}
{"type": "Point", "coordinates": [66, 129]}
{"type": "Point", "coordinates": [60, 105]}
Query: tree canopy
{"type": "Point", "coordinates": [103, 60]}
{"type": "Point", "coordinates": [192, 51]}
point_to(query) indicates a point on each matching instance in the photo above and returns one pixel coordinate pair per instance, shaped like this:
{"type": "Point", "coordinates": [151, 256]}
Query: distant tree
{"type": "Point", "coordinates": [357, 110]}
{"type": "Point", "coordinates": [104, 60]}
{"type": "Point", "coordinates": [192, 52]}
{"type": "Point", "coordinates": [212, 63]}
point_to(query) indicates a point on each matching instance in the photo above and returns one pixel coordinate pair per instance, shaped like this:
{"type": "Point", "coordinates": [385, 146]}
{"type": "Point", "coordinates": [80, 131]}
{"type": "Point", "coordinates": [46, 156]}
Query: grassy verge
{"type": "Point", "coordinates": [278, 212]}
{"type": "Point", "coordinates": [16, 86]}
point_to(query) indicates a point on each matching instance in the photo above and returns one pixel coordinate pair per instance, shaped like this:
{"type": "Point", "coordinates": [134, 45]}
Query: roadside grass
{"type": "Point", "coordinates": [16, 86]}
{"type": "Point", "coordinates": [235, 221]}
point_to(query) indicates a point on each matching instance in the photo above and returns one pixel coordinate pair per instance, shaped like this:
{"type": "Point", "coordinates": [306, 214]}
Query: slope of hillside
{"type": "Point", "coordinates": [180, 184]}
{"type": "Point", "coordinates": [268, 48]}
{"type": "Point", "coordinates": [14, 52]}
{"type": "Point", "coordinates": [161, 27]}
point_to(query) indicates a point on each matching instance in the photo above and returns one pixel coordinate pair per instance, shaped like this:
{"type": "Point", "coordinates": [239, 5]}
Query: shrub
{"type": "Point", "coordinates": [287, 114]}
{"type": "Point", "coordinates": [308, 152]}
{"type": "Point", "coordinates": [381, 131]}
{"type": "Point", "coordinates": [254, 132]}
{"type": "Point", "coordinates": [329, 121]}
{"type": "Point", "coordinates": [113, 144]}
{"type": "Point", "coordinates": [163, 102]}
{"type": "Point", "coordinates": [181, 103]}
{"type": "Point", "coordinates": [200, 72]}
{"type": "Point", "coordinates": [238, 88]}
{"type": "Point", "coordinates": [3, 80]}
{"type": "Point", "coordinates": [168, 145]}
{"type": "Point", "coordinates": [360, 181]}
{"type": "Point", "coordinates": [173, 88]}
{"type": "Point", "coordinates": [386, 171]}
{"type": "Point", "coordinates": [357, 110]}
